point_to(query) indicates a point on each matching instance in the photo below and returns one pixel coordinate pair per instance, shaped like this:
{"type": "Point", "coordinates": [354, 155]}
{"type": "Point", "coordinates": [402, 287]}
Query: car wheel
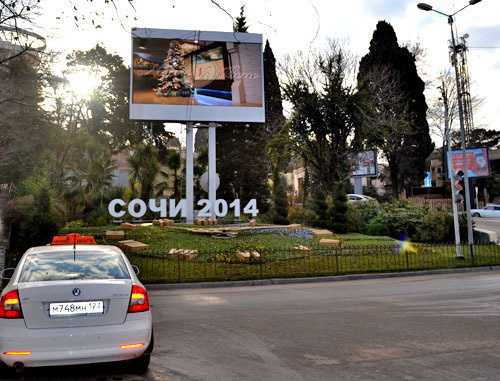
{"type": "Point", "coordinates": [476, 215]}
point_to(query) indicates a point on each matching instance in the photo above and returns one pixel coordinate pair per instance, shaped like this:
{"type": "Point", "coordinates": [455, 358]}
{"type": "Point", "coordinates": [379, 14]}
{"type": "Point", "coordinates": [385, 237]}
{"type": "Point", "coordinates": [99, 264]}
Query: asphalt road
{"type": "Point", "coordinates": [444, 327]}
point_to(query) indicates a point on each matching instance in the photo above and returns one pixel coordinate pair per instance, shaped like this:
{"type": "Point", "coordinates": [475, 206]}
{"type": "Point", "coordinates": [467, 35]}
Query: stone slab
{"type": "Point", "coordinates": [322, 233]}
{"type": "Point", "coordinates": [136, 246]}
{"type": "Point", "coordinates": [329, 242]}
{"type": "Point", "coordinates": [115, 234]}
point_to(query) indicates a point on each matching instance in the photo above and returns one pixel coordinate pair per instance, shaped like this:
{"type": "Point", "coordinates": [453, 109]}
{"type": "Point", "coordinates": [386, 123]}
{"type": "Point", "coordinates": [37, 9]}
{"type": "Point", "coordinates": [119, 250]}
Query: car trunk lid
{"type": "Point", "coordinates": [69, 302]}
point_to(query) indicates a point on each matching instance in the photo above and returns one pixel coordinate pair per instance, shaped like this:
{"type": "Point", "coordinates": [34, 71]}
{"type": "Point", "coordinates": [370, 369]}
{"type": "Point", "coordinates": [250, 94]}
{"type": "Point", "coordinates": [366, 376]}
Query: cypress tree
{"type": "Point", "coordinates": [405, 145]}
{"type": "Point", "coordinates": [337, 220]}
{"type": "Point", "coordinates": [280, 200]}
{"type": "Point", "coordinates": [243, 163]}
{"type": "Point", "coordinates": [320, 208]}
{"type": "Point", "coordinates": [240, 22]}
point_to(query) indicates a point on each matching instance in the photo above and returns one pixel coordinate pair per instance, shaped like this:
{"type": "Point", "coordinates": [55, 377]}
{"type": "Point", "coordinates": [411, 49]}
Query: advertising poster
{"type": "Point", "coordinates": [364, 164]}
{"type": "Point", "coordinates": [196, 76]}
{"type": "Point", "coordinates": [478, 163]}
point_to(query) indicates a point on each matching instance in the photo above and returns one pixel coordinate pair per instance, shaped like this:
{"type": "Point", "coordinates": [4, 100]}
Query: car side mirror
{"type": "Point", "coordinates": [7, 273]}
{"type": "Point", "coordinates": [136, 269]}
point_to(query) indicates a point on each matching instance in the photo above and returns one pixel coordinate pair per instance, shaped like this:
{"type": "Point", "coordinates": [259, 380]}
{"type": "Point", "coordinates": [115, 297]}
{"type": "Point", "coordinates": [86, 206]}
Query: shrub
{"type": "Point", "coordinates": [38, 225]}
{"type": "Point", "coordinates": [74, 224]}
{"type": "Point", "coordinates": [301, 216]}
{"type": "Point", "coordinates": [97, 217]}
{"type": "Point", "coordinates": [360, 215]}
{"type": "Point", "coordinates": [434, 227]}
{"type": "Point", "coordinates": [370, 190]}
{"type": "Point", "coordinates": [337, 211]}
{"type": "Point", "coordinates": [320, 208]}
{"type": "Point", "coordinates": [401, 218]}
{"type": "Point", "coordinates": [377, 229]}
{"type": "Point", "coordinates": [280, 200]}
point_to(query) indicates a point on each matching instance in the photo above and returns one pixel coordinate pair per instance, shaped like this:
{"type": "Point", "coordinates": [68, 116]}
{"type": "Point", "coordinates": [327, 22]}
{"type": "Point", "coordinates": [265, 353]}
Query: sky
{"type": "Point", "coordinates": [297, 25]}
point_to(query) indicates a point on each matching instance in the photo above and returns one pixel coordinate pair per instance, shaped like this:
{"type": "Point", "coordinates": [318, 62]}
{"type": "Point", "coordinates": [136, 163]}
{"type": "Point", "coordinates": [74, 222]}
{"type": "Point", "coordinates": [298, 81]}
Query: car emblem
{"type": "Point", "coordinates": [76, 291]}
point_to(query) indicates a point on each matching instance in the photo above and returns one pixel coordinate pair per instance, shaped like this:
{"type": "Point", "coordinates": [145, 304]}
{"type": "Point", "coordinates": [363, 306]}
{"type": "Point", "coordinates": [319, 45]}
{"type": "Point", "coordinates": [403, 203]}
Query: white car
{"type": "Point", "coordinates": [75, 304]}
{"type": "Point", "coordinates": [487, 211]}
{"type": "Point", "coordinates": [351, 197]}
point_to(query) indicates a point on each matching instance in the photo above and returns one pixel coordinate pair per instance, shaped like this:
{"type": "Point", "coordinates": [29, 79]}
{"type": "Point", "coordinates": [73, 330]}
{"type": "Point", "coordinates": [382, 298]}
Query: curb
{"type": "Point", "coordinates": [338, 278]}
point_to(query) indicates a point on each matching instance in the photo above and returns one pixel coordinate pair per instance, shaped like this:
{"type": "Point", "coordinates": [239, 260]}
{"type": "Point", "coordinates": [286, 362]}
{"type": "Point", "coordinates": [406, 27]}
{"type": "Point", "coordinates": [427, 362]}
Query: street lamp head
{"type": "Point", "coordinates": [427, 7]}
{"type": "Point", "coordinates": [472, 2]}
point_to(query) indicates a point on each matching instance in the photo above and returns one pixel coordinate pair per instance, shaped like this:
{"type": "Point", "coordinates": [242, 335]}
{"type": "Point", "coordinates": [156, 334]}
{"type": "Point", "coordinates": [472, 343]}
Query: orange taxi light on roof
{"type": "Point", "coordinates": [26, 353]}
{"type": "Point", "coordinates": [73, 238]}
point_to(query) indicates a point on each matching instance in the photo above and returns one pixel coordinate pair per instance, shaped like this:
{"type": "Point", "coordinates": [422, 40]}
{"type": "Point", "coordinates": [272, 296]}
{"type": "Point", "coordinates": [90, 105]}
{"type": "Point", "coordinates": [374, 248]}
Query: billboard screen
{"type": "Point", "coordinates": [193, 76]}
{"type": "Point", "coordinates": [478, 162]}
{"type": "Point", "coordinates": [364, 164]}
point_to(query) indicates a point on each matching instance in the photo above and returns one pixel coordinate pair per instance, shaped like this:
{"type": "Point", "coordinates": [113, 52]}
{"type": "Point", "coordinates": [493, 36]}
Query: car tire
{"type": "Point", "coordinates": [476, 215]}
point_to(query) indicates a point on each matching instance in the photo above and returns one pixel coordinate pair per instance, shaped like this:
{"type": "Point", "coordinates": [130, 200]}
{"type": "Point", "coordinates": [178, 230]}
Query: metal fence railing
{"type": "Point", "coordinates": [321, 261]}
{"type": "Point", "coordinates": [440, 203]}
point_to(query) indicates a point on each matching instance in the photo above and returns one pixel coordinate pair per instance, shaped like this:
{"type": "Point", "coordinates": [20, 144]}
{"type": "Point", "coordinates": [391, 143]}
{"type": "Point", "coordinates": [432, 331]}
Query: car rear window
{"type": "Point", "coordinates": [67, 266]}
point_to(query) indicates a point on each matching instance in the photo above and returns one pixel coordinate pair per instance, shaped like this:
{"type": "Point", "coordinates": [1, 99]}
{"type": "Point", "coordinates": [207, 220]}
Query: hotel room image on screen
{"type": "Point", "coordinates": [189, 72]}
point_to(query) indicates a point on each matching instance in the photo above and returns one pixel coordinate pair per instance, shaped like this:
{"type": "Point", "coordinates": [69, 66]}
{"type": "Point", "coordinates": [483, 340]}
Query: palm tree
{"type": "Point", "coordinates": [145, 167]}
{"type": "Point", "coordinates": [174, 163]}
{"type": "Point", "coordinates": [88, 184]}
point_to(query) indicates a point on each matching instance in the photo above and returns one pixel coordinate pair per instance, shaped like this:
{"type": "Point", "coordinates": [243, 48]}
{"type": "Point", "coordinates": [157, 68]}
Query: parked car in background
{"type": "Point", "coordinates": [351, 197]}
{"type": "Point", "coordinates": [74, 304]}
{"type": "Point", "coordinates": [491, 210]}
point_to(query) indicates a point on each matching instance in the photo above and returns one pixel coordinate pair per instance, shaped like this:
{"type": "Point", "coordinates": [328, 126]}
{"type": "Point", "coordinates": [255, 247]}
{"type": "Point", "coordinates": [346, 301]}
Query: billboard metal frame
{"type": "Point", "coordinates": [196, 113]}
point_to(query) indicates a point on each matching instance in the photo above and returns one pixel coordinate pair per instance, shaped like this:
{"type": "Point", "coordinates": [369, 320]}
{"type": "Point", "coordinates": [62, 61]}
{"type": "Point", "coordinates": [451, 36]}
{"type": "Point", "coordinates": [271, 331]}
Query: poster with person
{"type": "Point", "coordinates": [478, 163]}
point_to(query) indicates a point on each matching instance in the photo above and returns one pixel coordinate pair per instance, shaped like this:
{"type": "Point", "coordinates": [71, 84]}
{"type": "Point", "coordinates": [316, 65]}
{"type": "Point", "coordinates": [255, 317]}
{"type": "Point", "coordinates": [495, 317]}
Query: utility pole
{"type": "Point", "coordinates": [447, 131]}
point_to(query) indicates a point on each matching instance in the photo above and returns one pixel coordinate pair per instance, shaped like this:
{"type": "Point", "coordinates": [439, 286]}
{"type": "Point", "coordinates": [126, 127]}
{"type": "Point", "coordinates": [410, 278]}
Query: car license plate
{"type": "Point", "coordinates": [76, 308]}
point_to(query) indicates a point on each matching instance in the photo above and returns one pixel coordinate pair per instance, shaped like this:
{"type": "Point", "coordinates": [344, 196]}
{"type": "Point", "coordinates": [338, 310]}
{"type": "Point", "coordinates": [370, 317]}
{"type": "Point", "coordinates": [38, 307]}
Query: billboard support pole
{"type": "Point", "coordinates": [212, 172]}
{"type": "Point", "coordinates": [358, 185]}
{"type": "Point", "coordinates": [189, 174]}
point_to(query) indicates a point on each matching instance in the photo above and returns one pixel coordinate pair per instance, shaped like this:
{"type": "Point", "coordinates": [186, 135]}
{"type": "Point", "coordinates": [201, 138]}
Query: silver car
{"type": "Point", "coordinates": [79, 304]}
{"type": "Point", "coordinates": [487, 211]}
{"type": "Point", "coordinates": [351, 197]}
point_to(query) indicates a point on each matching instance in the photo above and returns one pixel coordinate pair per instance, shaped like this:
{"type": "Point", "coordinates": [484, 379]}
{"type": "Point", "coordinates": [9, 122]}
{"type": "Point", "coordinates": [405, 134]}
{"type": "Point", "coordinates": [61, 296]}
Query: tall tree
{"type": "Point", "coordinates": [325, 123]}
{"type": "Point", "coordinates": [240, 22]}
{"type": "Point", "coordinates": [174, 163]}
{"type": "Point", "coordinates": [90, 179]}
{"type": "Point", "coordinates": [105, 114]}
{"type": "Point", "coordinates": [243, 163]}
{"type": "Point", "coordinates": [24, 127]}
{"type": "Point", "coordinates": [408, 149]}
{"type": "Point", "coordinates": [145, 167]}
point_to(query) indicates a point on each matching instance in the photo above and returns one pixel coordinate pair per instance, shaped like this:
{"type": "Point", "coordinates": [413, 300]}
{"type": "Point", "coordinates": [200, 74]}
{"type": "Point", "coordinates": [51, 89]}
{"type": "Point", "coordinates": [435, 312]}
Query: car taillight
{"type": "Point", "coordinates": [10, 308]}
{"type": "Point", "coordinates": [128, 346]}
{"type": "Point", "coordinates": [138, 300]}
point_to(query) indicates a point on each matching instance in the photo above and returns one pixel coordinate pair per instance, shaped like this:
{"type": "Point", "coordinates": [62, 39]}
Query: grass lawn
{"type": "Point", "coordinates": [162, 239]}
{"type": "Point", "coordinates": [217, 258]}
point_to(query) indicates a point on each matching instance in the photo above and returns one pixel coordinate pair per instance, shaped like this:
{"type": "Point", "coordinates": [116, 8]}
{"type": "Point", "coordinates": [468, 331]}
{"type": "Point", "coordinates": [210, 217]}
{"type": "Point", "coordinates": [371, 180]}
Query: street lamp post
{"type": "Point", "coordinates": [427, 7]}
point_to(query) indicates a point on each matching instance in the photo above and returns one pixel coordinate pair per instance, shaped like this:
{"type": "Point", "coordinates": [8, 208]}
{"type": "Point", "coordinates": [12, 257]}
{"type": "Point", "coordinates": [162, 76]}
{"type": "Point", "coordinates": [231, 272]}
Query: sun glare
{"type": "Point", "coordinates": [83, 83]}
